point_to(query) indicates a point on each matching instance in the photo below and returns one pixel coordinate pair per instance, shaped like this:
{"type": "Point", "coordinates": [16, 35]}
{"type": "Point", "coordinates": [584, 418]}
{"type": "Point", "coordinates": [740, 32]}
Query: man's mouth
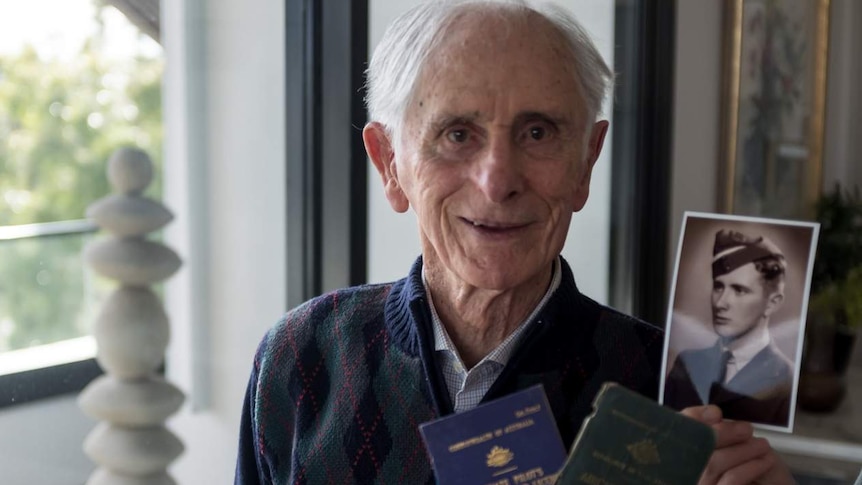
{"type": "Point", "coordinates": [493, 226]}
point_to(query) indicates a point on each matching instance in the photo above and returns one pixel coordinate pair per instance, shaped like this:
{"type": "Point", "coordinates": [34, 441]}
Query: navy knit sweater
{"type": "Point", "coordinates": [341, 384]}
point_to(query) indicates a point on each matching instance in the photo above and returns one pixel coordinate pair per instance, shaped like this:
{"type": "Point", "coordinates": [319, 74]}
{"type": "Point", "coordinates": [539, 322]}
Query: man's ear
{"type": "Point", "coordinates": [594, 149]}
{"type": "Point", "coordinates": [773, 303]}
{"type": "Point", "coordinates": [378, 145]}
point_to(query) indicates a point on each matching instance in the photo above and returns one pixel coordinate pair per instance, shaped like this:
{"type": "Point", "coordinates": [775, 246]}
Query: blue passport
{"type": "Point", "coordinates": [509, 441]}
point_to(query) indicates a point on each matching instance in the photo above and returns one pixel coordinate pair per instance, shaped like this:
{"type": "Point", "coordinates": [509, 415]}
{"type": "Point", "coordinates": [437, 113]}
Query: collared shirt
{"type": "Point", "coordinates": [468, 387]}
{"type": "Point", "coordinates": [743, 351]}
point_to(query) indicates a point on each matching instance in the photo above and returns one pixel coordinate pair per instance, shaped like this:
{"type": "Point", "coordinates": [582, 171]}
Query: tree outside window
{"type": "Point", "coordinates": [69, 97]}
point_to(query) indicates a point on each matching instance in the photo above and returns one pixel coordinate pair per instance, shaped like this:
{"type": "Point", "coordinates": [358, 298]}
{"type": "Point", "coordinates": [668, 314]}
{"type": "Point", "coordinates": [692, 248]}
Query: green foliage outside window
{"type": "Point", "coordinates": [59, 123]}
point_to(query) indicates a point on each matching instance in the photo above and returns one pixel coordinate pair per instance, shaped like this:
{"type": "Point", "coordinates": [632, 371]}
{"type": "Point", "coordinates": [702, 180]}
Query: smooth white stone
{"type": "Point", "coordinates": [132, 261]}
{"type": "Point", "coordinates": [139, 402]}
{"type": "Point", "coordinates": [130, 170]}
{"type": "Point", "coordinates": [129, 215]}
{"type": "Point", "coordinates": [103, 476]}
{"type": "Point", "coordinates": [132, 451]}
{"type": "Point", "coordinates": [132, 333]}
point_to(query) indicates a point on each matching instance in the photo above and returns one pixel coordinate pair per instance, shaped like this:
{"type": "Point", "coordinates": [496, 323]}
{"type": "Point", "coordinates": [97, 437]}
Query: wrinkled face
{"type": "Point", "coordinates": [493, 156]}
{"type": "Point", "coordinates": [740, 301]}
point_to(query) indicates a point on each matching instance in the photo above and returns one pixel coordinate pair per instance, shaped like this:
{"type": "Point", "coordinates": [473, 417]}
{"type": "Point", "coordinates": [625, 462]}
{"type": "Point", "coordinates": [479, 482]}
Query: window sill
{"type": "Point", "coordinates": [47, 370]}
{"type": "Point", "coordinates": [830, 444]}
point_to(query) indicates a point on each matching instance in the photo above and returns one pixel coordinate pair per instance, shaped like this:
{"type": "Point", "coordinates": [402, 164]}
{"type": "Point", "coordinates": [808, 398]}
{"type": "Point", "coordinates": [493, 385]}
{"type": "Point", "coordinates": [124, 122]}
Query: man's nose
{"type": "Point", "coordinates": [720, 300]}
{"type": "Point", "coordinates": [499, 174]}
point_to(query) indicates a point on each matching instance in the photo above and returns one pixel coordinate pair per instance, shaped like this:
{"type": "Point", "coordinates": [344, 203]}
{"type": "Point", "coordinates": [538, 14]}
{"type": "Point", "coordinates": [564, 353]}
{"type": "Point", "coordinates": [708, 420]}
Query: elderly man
{"type": "Point", "coordinates": [744, 373]}
{"type": "Point", "coordinates": [482, 124]}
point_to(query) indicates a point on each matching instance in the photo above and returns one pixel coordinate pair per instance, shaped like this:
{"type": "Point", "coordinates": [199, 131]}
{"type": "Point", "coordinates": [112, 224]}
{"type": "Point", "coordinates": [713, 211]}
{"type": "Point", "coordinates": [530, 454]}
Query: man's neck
{"type": "Point", "coordinates": [476, 319]}
{"type": "Point", "coordinates": [757, 337]}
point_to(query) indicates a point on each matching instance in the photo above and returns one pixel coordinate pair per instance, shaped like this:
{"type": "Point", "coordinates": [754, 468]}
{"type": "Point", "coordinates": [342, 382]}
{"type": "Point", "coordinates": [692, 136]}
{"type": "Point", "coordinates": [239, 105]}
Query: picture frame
{"type": "Point", "coordinates": [774, 99]}
{"type": "Point", "coordinates": [722, 300]}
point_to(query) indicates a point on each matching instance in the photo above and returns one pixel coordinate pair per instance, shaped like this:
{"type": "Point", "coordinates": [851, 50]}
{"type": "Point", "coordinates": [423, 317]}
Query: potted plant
{"type": "Point", "coordinates": [835, 308]}
{"type": "Point", "coordinates": [838, 305]}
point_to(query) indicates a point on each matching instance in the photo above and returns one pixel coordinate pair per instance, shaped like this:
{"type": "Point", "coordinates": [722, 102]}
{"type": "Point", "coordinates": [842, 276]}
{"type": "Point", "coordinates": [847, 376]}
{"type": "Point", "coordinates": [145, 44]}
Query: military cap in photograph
{"type": "Point", "coordinates": [733, 249]}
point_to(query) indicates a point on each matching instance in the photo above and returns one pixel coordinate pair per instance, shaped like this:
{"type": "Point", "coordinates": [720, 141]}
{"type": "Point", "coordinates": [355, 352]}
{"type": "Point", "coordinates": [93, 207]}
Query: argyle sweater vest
{"type": "Point", "coordinates": [340, 386]}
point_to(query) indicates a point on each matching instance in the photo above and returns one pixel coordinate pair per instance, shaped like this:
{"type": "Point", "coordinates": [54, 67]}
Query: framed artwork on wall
{"type": "Point", "coordinates": [774, 92]}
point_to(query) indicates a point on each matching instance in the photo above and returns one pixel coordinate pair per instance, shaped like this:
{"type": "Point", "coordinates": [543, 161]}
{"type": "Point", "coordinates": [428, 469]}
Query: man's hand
{"type": "Point", "coordinates": [739, 458]}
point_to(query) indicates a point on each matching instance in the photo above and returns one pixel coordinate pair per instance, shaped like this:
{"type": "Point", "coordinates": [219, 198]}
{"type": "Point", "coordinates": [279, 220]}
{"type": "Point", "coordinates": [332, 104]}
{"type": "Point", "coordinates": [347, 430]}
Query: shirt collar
{"type": "Point", "coordinates": [746, 348]}
{"type": "Point", "coordinates": [502, 353]}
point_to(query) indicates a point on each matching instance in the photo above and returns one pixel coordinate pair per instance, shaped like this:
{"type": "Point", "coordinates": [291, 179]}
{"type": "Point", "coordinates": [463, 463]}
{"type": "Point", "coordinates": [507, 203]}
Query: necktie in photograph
{"type": "Point", "coordinates": [726, 357]}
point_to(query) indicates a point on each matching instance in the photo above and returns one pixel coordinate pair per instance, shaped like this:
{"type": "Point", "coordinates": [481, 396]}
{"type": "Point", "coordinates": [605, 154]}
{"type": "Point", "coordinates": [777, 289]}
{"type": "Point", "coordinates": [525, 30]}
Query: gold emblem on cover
{"type": "Point", "coordinates": [645, 452]}
{"type": "Point", "coordinates": [500, 456]}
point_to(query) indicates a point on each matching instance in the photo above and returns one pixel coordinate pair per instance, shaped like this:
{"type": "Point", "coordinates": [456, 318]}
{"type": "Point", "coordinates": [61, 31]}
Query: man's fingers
{"type": "Point", "coordinates": [705, 414]}
{"type": "Point", "coordinates": [748, 472]}
{"type": "Point", "coordinates": [732, 464]}
{"type": "Point", "coordinates": [727, 433]}
{"type": "Point", "coordinates": [739, 457]}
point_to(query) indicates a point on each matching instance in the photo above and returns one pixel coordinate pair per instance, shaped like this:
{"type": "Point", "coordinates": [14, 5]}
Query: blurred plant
{"type": "Point", "coordinates": [837, 280]}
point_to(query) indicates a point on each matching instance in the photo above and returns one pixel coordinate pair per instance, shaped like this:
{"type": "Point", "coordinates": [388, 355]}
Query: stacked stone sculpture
{"type": "Point", "coordinates": [131, 444]}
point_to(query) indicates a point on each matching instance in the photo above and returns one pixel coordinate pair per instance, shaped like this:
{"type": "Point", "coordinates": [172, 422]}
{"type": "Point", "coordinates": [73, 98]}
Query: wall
{"type": "Point", "coordinates": [843, 145]}
{"type": "Point", "coordinates": [588, 244]}
{"type": "Point", "coordinates": [225, 174]}
{"type": "Point", "coordinates": [696, 116]}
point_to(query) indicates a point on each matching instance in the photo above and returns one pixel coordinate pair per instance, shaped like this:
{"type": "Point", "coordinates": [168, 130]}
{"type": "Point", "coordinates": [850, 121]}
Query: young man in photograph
{"type": "Point", "coordinates": [743, 373]}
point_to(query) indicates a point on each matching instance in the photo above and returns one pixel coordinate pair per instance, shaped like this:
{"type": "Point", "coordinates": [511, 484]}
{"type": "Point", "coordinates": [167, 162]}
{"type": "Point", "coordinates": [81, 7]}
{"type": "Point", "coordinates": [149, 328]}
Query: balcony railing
{"type": "Point", "coordinates": [48, 303]}
{"type": "Point", "coordinates": [44, 229]}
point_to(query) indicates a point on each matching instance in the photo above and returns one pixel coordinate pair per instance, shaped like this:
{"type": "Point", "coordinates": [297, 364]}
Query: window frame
{"type": "Point", "coordinates": [326, 44]}
{"type": "Point", "coordinates": [645, 36]}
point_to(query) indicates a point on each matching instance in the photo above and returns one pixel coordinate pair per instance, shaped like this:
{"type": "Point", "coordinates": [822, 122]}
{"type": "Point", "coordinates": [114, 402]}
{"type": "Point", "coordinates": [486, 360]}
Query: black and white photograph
{"type": "Point", "coordinates": [736, 317]}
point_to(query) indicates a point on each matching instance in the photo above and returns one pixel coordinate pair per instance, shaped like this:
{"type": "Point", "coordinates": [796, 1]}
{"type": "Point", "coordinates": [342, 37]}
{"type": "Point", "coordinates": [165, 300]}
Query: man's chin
{"type": "Point", "coordinates": [724, 332]}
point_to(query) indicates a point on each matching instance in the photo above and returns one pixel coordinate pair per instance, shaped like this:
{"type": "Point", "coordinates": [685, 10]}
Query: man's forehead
{"type": "Point", "coordinates": [490, 21]}
{"type": "Point", "coordinates": [446, 101]}
{"type": "Point", "coordinates": [474, 31]}
{"type": "Point", "coordinates": [479, 61]}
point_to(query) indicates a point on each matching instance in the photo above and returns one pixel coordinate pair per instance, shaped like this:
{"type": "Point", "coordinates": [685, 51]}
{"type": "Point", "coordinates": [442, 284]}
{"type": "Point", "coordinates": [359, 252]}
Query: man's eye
{"type": "Point", "coordinates": [538, 133]}
{"type": "Point", "coordinates": [457, 136]}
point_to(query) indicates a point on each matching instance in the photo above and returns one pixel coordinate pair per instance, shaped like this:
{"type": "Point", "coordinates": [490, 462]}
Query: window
{"type": "Point", "coordinates": [77, 81]}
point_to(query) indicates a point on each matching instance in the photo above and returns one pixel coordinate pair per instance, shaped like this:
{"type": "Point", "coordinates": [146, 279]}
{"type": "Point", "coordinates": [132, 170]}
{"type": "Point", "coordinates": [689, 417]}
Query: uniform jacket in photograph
{"type": "Point", "coordinates": [760, 392]}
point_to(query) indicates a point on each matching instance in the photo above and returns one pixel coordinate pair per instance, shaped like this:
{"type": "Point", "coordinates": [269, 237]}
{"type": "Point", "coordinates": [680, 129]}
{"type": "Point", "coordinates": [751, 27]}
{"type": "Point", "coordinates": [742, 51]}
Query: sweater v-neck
{"type": "Point", "coordinates": [409, 322]}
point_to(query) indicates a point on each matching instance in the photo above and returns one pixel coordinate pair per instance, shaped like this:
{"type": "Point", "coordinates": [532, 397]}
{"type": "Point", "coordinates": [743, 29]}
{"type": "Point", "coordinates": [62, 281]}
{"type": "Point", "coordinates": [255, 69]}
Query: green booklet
{"type": "Point", "coordinates": [631, 440]}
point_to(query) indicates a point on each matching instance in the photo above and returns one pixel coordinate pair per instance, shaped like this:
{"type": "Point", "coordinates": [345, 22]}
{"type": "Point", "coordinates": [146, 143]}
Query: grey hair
{"type": "Point", "coordinates": [408, 42]}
